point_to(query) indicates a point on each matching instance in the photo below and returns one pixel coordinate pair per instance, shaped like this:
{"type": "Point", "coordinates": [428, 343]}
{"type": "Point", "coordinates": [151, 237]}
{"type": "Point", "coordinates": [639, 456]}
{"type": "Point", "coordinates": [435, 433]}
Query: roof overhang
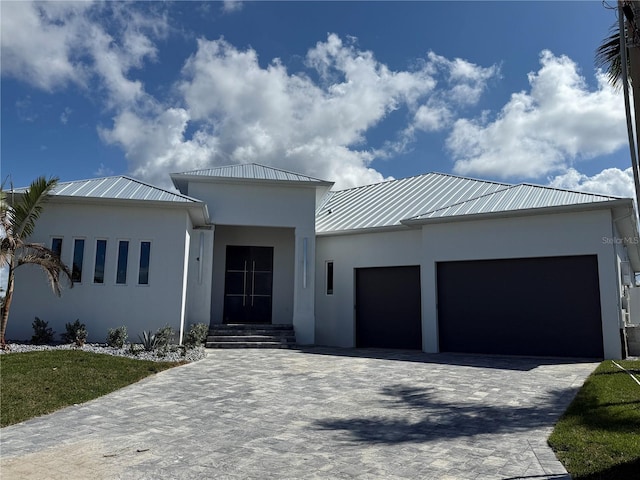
{"type": "Point", "coordinates": [181, 181]}
{"type": "Point", "coordinates": [572, 208]}
{"type": "Point", "coordinates": [197, 210]}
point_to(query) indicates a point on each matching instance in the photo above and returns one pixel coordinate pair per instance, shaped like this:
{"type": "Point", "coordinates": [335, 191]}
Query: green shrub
{"type": "Point", "coordinates": [197, 335]}
{"type": "Point", "coordinates": [76, 332]}
{"type": "Point", "coordinates": [42, 332]}
{"type": "Point", "coordinates": [117, 336]}
{"type": "Point", "coordinates": [148, 340]}
{"type": "Point", "coordinates": [164, 336]}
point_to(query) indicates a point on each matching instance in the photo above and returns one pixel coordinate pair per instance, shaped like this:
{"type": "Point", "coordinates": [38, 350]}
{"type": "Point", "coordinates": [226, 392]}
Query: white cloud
{"type": "Point", "coordinates": [230, 6]}
{"type": "Point", "coordinates": [242, 112]}
{"type": "Point", "coordinates": [467, 80]}
{"type": "Point", "coordinates": [64, 116]}
{"type": "Point", "coordinates": [53, 44]}
{"type": "Point", "coordinates": [26, 110]}
{"type": "Point", "coordinates": [611, 181]}
{"type": "Point", "coordinates": [38, 42]}
{"type": "Point", "coordinates": [225, 107]}
{"type": "Point", "coordinates": [103, 171]}
{"type": "Point", "coordinates": [542, 131]}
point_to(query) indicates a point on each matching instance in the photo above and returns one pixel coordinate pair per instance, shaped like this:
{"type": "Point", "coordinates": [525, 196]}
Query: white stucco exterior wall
{"type": "Point", "coordinates": [200, 277]}
{"type": "Point", "coordinates": [253, 204]}
{"type": "Point", "coordinates": [579, 233]}
{"type": "Point", "coordinates": [335, 315]}
{"type": "Point", "coordinates": [262, 213]}
{"type": "Point", "coordinates": [107, 305]}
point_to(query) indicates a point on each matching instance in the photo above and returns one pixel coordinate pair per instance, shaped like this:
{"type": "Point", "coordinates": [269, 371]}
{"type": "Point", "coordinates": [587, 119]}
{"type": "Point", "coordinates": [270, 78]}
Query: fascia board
{"type": "Point", "coordinates": [576, 207]}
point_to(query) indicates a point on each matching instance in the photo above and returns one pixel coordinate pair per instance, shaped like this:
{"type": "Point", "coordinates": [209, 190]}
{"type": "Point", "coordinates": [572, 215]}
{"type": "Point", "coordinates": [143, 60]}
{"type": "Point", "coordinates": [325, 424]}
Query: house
{"type": "Point", "coordinates": [433, 262]}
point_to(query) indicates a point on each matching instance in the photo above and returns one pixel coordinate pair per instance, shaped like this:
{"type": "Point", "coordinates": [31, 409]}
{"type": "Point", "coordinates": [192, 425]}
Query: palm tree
{"type": "Point", "coordinates": [624, 62]}
{"type": "Point", "coordinates": [17, 222]}
{"type": "Point", "coordinates": [608, 56]}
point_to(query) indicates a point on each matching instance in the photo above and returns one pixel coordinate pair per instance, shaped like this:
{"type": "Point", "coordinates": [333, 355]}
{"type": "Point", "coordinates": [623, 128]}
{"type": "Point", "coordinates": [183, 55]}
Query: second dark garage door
{"type": "Point", "coordinates": [529, 306]}
{"type": "Point", "coordinates": [388, 307]}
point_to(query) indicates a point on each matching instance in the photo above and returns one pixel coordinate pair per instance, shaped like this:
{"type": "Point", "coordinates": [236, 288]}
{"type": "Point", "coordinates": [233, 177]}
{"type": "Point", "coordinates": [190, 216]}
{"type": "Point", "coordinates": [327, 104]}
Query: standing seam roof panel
{"type": "Point", "coordinates": [122, 188]}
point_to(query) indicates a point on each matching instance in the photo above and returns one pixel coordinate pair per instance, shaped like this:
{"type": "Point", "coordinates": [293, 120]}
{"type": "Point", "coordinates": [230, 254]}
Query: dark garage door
{"type": "Point", "coordinates": [388, 313]}
{"type": "Point", "coordinates": [530, 306]}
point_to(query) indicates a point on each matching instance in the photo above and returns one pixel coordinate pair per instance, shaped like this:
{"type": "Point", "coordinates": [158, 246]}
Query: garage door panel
{"type": "Point", "coordinates": [533, 306]}
{"type": "Point", "coordinates": [388, 307]}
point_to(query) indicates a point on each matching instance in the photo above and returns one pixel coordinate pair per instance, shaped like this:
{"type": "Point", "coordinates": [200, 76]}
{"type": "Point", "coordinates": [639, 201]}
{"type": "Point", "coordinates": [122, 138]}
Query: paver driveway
{"type": "Point", "coordinates": [315, 413]}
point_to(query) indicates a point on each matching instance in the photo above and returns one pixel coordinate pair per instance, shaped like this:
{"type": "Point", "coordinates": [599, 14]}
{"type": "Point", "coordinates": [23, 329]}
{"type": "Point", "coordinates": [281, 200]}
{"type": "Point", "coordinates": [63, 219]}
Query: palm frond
{"type": "Point", "coordinates": [28, 209]}
{"type": "Point", "coordinates": [54, 268]}
{"type": "Point", "coordinates": [608, 57]}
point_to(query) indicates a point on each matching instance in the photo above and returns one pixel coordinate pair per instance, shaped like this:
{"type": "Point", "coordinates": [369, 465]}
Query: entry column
{"type": "Point", "coordinates": [304, 287]}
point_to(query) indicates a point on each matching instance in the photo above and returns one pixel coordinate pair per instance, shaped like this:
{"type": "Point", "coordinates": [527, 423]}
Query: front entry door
{"type": "Point", "coordinates": [248, 284]}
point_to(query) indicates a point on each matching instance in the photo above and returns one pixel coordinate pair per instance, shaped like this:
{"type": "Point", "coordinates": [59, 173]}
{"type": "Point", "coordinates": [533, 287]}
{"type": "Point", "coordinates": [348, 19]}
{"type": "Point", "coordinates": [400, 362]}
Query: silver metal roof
{"type": "Point", "coordinates": [252, 171]}
{"type": "Point", "coordinates": [517, 197]}
{"type": "Point", "coordinates": [435, 195]}
{"type": "Point", "coordinates": [386, 204]}
{"type": "Point", "coordinates": [119, 187]}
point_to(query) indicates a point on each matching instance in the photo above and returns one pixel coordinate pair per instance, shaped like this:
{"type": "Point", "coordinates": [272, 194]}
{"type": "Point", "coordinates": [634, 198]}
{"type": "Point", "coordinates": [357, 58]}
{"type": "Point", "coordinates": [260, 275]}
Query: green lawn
{"type": "Point", "coordinates": [35, 383]}
{"type": "Point", "coordinates": [598, 437]}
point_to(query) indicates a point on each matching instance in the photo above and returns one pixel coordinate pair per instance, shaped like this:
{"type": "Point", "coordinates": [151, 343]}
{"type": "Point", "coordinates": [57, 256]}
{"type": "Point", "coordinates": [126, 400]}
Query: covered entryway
{"type": "Point", "coordinates": [248, 284]}
{"type": "Point", "coordinates": [388, 307]}
{"type": "Point", "coordinates": [547, 306]}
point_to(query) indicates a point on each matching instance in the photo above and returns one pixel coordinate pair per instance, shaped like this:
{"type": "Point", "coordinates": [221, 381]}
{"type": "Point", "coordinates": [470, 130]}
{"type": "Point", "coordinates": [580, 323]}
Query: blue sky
{"type": "Point", "coordinates": [353, 92]}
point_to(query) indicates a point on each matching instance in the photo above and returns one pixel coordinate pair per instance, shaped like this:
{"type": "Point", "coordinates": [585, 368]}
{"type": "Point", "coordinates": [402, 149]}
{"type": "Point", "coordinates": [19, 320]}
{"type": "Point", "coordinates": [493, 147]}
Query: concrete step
{"type": "Point", "coordinates": [251, 336]}
{"type": "Point", "coordinates": [248, 345]}
{"type": "Point", "coordinates": [251, 326]}
{"type": "Point", "coordinates": [256, 332]}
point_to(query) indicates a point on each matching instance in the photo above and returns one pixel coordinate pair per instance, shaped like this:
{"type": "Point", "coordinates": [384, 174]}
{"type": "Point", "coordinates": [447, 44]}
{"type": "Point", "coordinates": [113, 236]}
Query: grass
{"type": "Point", "coordinates": [36, 383]}
{"type": "Point", "coordinates": [598, 437]}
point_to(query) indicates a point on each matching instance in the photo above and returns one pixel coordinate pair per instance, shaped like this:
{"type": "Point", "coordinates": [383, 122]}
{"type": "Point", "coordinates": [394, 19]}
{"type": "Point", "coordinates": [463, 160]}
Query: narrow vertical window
{"type": "Point", "coordinates": [78, 257]}
{"type": "Point", "coordinates": [56, 246]}
{"type": "Point", "coordinates": [123, 257]}
{"type": "Point", "coordinates": [101, 252]}
{"type": "Point", "coordinates": [143, 272]}
{"type": "Point", "coordinates": [329, 278]}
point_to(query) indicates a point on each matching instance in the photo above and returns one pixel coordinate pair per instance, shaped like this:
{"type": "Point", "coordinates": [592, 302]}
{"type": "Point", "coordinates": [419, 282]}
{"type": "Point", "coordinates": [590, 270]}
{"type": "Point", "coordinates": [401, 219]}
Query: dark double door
{"type": "Point", "coordinates": [248, 284]}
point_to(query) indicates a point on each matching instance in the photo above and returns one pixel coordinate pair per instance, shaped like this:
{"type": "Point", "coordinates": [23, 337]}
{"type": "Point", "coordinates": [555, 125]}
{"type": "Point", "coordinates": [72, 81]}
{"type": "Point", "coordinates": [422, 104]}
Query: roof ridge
{"type": "Point", "coordinates": [60, 185]}
{"type": "Point", "coordinates": [235, 165]}
{"type": "Point", "coordinates": [178, 194]}
{"type": "Point", "coordinates": [474, 179]}
{"type": "Point", "coordinates": [423, 175]}
{"type": "Point", "coordinates": [472, 199]}
{"type": "Point", "coordinates": [285, 171]}
{"type": "Point", "coordinates": [384, 181]}
{"type": "Point", "coordinates": [548, 187]}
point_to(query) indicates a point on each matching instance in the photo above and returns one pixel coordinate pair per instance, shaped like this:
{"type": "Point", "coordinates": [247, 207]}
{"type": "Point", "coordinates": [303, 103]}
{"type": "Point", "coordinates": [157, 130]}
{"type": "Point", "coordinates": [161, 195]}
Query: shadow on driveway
{"type": "Point", "coordinates": [437, 420]}
{"type": "Point", "coordinates": [501, 362]}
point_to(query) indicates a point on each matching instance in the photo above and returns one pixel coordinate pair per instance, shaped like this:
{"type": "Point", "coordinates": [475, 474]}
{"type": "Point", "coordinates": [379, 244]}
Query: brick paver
{"type": "Point", "coordinates": [311, 414]}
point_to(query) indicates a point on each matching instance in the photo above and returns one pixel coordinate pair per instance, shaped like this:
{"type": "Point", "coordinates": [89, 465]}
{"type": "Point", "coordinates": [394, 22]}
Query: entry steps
{"type": "Point", "coordinates": [251, 336]}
